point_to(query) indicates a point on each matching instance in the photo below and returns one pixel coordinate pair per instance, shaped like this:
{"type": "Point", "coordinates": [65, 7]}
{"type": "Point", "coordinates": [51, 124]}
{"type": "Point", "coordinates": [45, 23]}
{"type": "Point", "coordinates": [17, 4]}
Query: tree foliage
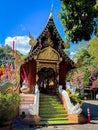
{"type": "Point", "coordinates": [85, 76]}
{"type": "Point", "coordinates": [93, 48]}
{"type": "Point", "coordinates": [79, 18]}
{"type": "Point", "coordinates": [85, 54]}
{"type": "Point", "coordinates": [86, 80]}
{"type": "Point", "coordinates": [5, 54]}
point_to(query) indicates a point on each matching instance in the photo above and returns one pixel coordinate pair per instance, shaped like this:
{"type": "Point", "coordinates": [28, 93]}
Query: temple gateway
{"type": "Point", "coordinates": [47, 64]}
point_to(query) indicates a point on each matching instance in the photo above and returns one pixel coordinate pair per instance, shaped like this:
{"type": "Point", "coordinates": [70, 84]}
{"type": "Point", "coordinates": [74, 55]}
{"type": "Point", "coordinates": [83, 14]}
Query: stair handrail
{"type": "Point", "coordinates": [2, 84]}
{"type": "Point", "coordinates": [34, 108]}
{"type": "Point", "coordinates": [72, 109]}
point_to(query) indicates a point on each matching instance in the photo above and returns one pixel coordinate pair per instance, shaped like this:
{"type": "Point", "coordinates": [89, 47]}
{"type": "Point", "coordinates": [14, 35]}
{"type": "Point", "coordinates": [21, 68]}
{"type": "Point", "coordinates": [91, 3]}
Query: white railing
{"type": "Point", "coordinates": [72, 109]}
{"type": "Point", "coordinates": [34, 108]}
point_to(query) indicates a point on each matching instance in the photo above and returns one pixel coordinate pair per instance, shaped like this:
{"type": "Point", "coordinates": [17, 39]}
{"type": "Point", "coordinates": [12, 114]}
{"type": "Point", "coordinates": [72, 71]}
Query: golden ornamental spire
{"type": "Point", "coordinates": [32, 41]}
{"type": "Point", "coordinates": [51, 10]}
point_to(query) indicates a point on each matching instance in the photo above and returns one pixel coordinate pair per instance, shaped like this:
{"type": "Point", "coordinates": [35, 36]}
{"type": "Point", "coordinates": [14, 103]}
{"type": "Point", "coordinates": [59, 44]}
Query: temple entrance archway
{"type": "Point", "coordinates": [47, 81]}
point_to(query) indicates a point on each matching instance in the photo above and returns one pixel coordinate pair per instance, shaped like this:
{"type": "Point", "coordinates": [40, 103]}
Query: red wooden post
{"type": "Point", "coordinates": [88, 113]}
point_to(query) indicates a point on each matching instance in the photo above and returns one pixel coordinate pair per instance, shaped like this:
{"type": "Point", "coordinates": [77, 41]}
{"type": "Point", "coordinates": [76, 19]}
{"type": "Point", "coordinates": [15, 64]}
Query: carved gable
{"type": "Point", "coordinates": [48, 54]}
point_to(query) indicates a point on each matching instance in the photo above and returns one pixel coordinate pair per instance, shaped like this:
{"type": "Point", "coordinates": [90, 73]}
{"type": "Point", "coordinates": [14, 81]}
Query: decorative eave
{"type": "Point", "coordinates": [66, 58]}
{"type": "Point", "coordinates": [35, 50]}
{"type": "Point", "coordinates": [55, 31]}
{"type": "Point", "coordinates": [62, 53]}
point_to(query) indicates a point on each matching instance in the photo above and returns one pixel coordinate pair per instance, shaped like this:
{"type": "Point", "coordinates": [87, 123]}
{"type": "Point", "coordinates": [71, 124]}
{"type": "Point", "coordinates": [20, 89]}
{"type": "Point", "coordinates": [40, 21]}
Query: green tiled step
{"type": "Point", "coordinates": [51, 108]}
{"type": "Point", "coordinates": [52, 111]}
{"type": "Point", "coordinates": [47, 96]}
{"type": "Point", "coordinates": [59, 122]}
{"type": "Point", "coordinates": [51, 99]}
{"type": "Point", "coordinates": [53, 116]}
{"type": "Point", "coordinates": [46, 106]}
{"type": "Point", "coordinates": [52, 104]}
{"type": "Point", "coordinates": [49, 102]}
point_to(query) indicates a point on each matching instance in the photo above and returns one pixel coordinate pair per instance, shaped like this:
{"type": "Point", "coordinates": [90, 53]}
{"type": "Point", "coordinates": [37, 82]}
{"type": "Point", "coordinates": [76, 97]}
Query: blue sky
{"type": "Point", "coordinates": [19, 17]}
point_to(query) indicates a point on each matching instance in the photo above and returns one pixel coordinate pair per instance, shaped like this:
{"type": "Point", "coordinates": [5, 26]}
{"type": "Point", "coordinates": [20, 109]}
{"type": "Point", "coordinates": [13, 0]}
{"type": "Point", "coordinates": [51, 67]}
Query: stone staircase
{"type": "Point", "coordinates": [26, 100]}
{"type": "Point", "coordinates": [52, 111]}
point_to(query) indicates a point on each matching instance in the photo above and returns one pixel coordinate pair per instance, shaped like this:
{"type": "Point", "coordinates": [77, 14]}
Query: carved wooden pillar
{"type": "Point", "coordinates": [57, 76]}
{"type": "Point", "coordinates": [37, 67]}
{"type": "Point", "coordinates": [29, 78]}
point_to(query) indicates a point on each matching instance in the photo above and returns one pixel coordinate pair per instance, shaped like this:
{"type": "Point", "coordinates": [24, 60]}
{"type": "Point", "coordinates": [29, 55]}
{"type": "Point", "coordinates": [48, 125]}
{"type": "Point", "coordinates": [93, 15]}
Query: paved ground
{"type": "Point", "coordinates": [93, 105]}
{"type": "Point", "coordinates": [90, 126]}
{"type": "Point", "coordinates": [93, 125]}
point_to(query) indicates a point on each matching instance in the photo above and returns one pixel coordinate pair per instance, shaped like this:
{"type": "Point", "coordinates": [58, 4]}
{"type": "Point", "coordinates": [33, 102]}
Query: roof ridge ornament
{"type": "Point", "coordinates": [51, 10]}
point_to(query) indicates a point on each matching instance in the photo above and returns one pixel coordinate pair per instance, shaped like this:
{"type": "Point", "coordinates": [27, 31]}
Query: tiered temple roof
{"type": "Point", "coordinates": [49, 37]}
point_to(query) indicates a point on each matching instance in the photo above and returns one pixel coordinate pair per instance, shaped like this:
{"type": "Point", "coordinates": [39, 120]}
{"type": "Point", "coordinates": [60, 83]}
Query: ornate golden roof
{"type": "Point", "coordinates": [49, 37]}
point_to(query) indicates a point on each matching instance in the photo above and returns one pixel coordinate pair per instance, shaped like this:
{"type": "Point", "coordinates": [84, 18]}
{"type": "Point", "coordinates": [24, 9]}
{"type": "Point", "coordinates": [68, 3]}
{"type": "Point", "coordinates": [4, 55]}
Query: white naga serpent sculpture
{"type": "Point", "coordinates": [72, 109]}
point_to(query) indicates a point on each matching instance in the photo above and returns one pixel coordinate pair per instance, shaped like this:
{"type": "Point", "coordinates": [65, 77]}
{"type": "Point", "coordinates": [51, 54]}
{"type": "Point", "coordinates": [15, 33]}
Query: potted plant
{"type": "Point", "coordinates": [8, 107]}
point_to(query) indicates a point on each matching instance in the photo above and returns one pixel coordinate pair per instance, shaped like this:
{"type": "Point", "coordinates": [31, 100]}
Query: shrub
{"type": "Point", "coordinates": [8, 106]}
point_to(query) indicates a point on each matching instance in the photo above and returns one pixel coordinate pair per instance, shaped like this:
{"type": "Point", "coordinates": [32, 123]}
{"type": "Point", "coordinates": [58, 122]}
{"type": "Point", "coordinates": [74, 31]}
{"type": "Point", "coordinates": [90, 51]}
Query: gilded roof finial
{"type": "Point", "coordinates": [51, 10]}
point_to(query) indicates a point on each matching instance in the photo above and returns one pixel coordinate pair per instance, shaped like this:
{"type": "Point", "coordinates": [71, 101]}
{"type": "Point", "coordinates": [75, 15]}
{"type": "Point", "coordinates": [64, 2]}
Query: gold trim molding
{"type": "Point", "coordinates": [48, 53]}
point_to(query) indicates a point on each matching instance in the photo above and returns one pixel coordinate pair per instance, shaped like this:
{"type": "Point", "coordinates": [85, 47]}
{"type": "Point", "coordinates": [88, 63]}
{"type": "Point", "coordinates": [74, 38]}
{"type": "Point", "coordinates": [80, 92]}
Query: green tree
{"type": "Point", "coordinates": [5, 54]}
{"type": "Point", "coordinates": [86, 79]}
{"type": "Point", "coordinates": [79, 18]}
{"type": "Point", "coordinates": [83, 54]}
{"type": "Point", "coordinates": [93, 48]}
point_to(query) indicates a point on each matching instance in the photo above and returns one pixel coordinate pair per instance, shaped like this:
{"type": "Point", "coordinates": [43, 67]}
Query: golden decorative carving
{"type": "Point", "coordinates": [35, 57]}
{"type": "Point", "coordinates": [67, 45]}
{"type": "Point", "coordinates": [32, 41]}
{"type": "Point", "coordinates": [48, 41]}
{"type": "Point", "coordinates": [49, 54]}
{"type": "Point", "coordinates": [36, 77]}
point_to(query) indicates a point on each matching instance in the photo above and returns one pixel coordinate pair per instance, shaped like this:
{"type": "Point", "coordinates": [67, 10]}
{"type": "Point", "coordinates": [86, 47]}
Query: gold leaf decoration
{"type": "Point", "coordinates": [78, 64]}
{"type": "Point", "coordinates": [18, 58]}
{"type": "Point", "coordinates": [32, 41]}
{"type": "Point", "coordinates": [67, 45]}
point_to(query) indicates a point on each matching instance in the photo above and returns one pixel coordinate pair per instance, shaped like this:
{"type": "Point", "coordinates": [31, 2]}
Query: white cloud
{"type": "Point", "coordinates": [72, 54]}
{"type": "Point", "coordinates": [21, 43]}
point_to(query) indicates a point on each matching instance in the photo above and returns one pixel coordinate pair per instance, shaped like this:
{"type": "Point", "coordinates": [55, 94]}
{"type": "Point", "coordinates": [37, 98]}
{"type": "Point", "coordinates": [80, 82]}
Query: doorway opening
{"type": "Point", "coordinates": [47, 81]}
